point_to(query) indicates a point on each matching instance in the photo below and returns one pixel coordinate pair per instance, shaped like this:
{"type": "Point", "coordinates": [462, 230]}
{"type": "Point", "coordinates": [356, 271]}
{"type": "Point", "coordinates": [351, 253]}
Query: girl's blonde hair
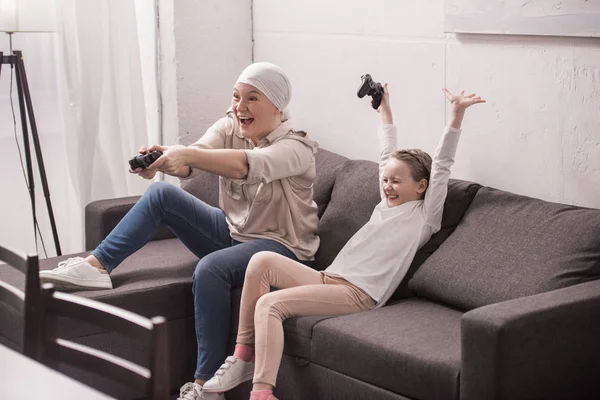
{"type": "Point", "coordinates": [418, 161]}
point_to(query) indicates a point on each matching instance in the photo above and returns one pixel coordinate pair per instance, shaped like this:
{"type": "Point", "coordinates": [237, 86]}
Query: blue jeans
{"type": "Point", "coordinates": [204, 231]}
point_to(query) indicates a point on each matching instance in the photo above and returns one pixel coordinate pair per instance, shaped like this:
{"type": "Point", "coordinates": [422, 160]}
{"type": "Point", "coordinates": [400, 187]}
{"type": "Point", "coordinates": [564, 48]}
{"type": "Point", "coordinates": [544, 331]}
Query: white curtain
{"type": "Point", "coordinates": [95, 103]}
{"type": "Point", "coordinates": [102, 94]}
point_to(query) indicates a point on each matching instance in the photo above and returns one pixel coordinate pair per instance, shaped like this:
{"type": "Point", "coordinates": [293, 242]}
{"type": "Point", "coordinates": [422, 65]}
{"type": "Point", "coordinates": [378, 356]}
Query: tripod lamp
{"type": "Point", "coordinates": [29, 16]}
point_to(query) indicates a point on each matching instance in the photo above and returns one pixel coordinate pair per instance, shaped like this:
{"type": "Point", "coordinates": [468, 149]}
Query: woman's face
{"type": "Point", "coordinates": [256, 115]}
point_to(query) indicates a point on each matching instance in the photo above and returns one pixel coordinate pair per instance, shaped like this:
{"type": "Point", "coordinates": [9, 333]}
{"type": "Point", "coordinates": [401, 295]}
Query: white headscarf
{"type": "Point", "coordinates": [272, 82]}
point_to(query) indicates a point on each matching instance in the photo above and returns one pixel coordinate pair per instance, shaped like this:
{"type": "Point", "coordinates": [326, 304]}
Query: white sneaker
{"type": "Point", "coordinates": [76, 274]}
{"type": "Point", "coordinates": [193, 391]}
{"type": "Point", "coordinates": [233, 372]}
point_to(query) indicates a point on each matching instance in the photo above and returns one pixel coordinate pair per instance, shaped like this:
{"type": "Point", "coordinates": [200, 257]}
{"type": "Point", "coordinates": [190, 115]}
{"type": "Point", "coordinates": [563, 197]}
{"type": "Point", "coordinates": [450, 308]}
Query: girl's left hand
{"type": "Point", "coordinates": [462, 101]}
{"type": "Point", "coordinates": [172, 161]}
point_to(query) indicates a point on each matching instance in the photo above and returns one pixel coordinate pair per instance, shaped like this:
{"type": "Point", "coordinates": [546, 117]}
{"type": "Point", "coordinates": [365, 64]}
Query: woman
{"type": "Point", "coordinates": [267, 172]}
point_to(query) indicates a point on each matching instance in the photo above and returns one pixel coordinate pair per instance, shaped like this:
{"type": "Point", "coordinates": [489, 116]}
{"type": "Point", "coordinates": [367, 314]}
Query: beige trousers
{"type": "Point", "coordinates": [304, 292]}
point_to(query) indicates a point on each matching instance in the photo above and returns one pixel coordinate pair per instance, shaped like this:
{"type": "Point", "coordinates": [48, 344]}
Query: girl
{"type": "Point", "coordinates": [366, 271]}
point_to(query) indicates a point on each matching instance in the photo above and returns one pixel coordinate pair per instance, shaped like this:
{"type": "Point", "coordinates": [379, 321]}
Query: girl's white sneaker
{"type": "Point", "coordinates": [233, 372]}
{"type": "Point", "coordinates": [193, 391]}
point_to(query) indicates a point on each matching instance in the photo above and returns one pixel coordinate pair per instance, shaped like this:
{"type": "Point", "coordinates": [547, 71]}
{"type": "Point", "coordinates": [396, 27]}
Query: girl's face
{"type": "Point", "coordinates": [255, 114]}
{"type": "Point", "coordinates": [398, 184]}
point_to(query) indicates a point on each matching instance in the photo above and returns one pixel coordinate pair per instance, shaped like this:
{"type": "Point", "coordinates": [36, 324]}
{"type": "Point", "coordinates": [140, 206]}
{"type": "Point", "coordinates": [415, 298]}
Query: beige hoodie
{"type": "Point", "coordinates": [275, 200]}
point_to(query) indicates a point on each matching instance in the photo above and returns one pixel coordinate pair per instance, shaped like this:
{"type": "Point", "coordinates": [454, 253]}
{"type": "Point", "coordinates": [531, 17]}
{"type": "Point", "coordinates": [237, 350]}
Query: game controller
{"type": "Point", "coordinates": [144, 160]}
{"type": "Point", "coordinates": [371, 88]}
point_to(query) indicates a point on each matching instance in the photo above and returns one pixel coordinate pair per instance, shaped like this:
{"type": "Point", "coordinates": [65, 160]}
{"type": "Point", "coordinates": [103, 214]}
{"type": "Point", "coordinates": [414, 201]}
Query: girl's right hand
{"type": "Point", "coordinates": [384, 108]}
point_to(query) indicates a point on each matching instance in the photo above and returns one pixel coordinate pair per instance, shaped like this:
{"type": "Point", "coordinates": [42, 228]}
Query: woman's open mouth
{"type": "Point", "coordinates": [245, 121]}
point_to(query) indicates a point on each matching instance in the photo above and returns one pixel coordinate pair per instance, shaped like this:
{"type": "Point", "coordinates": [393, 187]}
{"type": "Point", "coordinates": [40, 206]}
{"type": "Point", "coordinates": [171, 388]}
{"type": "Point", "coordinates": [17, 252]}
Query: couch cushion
{"type": "Point", "coordinates": [354, 196]}
{"type": "Point", "coordinates": [411, 348]}
{"type": "Point", "coordinates": [509, 246]}
{"type": "Point", "coordinates": [302, 380]}
{"type": "Point", "coordinates": [459, 198]}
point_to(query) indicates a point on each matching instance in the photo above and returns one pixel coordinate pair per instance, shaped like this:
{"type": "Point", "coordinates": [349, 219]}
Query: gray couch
{"type": "Point", "coordinates": [502, 303]}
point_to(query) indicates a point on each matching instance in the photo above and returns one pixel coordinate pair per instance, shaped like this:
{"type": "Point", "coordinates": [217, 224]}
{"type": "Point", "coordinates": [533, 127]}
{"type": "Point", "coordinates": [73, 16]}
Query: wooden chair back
{"type": "Point", "coordinates": [153, 380]}
{"type": "Point", "coordinates": [25, 303]}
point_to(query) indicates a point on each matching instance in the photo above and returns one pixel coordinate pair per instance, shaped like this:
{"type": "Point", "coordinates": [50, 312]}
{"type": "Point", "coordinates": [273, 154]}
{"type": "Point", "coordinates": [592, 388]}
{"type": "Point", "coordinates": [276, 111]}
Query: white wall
{"type": "Point", "coordinates": [537, 135]}
{"type": "Point", "coordinates": [213, 42]}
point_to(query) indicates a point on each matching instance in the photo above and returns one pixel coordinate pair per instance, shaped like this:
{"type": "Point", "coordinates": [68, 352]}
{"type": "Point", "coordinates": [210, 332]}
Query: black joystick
{"type": "Point", "coordinates": [144, 160]}
{"type": "Point", "coordinates": [371, 88]}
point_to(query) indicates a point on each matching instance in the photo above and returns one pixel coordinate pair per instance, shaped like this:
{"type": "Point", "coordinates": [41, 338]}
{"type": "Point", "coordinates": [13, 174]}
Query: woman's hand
{"type": "Point", "coordinates": [172, 161]}
{"type": "Point", "coordinates": [384, 109]}
{"type": "Point", "coordinates": [143, 172]}
{"type": "Point", "coordinates": [459, 104]}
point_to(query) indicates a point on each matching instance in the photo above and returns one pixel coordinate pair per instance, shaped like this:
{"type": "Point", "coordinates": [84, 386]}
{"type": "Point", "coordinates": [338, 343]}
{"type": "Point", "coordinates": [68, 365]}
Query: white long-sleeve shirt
{"type": "Point", "coordinates": [378, 256]}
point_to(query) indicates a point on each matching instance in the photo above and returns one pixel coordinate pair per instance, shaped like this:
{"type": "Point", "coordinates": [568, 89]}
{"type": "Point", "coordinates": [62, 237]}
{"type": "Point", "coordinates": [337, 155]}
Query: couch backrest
{"type": "Point", "coordinates": [355, 194]}
{"type": "Point", "coordinates": [328, 165]}
{"type": "Point", "coordinates": [205, 186]}
{"type": "Point", "coordinates": [459, 198]}
{"type": "Point", "coordinates": [509, 246]}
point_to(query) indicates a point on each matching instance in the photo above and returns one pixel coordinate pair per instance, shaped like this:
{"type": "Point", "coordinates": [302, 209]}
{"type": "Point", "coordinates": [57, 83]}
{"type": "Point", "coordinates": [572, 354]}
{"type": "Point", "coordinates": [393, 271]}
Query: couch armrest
{"type": "Point", "coordinates": [103, 215]}
{"type": "Point", "coordinates": [537, 347]}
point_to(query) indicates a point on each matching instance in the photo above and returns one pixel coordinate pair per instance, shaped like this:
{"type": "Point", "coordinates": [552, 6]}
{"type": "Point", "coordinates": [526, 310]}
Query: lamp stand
{"type": "Point", "coordinates": [26, 108]}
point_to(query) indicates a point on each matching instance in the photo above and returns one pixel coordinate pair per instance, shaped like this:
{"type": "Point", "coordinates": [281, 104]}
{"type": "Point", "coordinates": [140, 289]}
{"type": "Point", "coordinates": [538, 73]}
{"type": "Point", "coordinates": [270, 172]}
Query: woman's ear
{"type": "Point", "coordinates": [422, 186]}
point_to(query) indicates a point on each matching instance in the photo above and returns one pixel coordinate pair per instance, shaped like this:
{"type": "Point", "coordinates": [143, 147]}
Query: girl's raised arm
{"type": "Point", "coordinates": [443, 157]}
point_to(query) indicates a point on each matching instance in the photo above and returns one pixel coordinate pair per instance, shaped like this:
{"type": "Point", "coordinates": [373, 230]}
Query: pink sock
{"type": "Point", "coordinates": [243, 352]}
{"type": "Point", "coordinates": [262, 395]}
